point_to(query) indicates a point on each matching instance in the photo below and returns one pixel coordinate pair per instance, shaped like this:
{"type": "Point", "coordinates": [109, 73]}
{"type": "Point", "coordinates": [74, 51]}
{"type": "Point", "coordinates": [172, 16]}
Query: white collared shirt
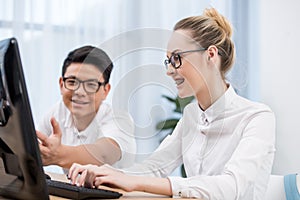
{"type": "Point", "coordinates": [108, 123]}
{"type": "Point", "coordinates": [227, 150]}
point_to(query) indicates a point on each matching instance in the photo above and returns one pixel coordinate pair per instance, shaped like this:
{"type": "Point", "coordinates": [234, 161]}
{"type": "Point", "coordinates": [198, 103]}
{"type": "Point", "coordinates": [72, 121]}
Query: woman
{"type": "Point", "coordinates": [225, 142]}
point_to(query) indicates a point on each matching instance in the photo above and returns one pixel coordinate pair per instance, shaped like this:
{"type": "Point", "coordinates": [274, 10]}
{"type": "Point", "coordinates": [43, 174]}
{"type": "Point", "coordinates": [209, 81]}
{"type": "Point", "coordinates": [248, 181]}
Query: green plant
{"type": "Point", "coordinates": [180, 103]}
{"type": "Point", "coordinates": [170, 124]}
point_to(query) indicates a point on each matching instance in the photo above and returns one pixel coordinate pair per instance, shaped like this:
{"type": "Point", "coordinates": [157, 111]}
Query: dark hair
{"type": "Point", "coordinates": [212, 28]}
{"type": "Point", "coordinates": [90, 55]}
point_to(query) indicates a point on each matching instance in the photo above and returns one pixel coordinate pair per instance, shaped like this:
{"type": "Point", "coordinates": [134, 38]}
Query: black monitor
{"type": "Point", "coordinates": [21, 171]}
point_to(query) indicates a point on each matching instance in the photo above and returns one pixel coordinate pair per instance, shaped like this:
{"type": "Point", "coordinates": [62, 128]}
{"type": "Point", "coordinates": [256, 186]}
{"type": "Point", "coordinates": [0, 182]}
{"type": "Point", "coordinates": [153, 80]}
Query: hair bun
{"type": "Point", "coordinates": [220, 20]}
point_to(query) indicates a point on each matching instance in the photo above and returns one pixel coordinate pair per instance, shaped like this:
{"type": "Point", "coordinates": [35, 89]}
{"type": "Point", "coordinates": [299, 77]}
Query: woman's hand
{"type": "Point", "coordinates": [93, 176]}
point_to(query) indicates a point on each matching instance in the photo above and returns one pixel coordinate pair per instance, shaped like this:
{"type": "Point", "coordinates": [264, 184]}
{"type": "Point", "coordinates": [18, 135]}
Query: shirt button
{"type": "Point", "coordinates": [179, 193]}
{"type": "Point", "coordinates": [204, 119]}
{"type": "Point", "coordinates": [206, 122]}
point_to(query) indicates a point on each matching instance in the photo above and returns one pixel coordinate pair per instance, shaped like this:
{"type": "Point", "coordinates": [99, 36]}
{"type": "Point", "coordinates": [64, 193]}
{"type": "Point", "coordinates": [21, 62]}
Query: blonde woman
{"type": "Point", "coordinates": [225, 141]}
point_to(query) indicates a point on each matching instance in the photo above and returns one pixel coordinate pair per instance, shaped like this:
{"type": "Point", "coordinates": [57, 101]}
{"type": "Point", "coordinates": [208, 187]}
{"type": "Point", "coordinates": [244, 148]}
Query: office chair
{"type": "Point", "coordinates": [292, 186]}
{"type": "Point", "coordinates": [283, 187]}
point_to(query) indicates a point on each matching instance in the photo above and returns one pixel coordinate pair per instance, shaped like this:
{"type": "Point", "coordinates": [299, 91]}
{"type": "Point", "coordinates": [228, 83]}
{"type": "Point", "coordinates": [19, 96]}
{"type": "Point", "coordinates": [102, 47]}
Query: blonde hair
{"type": "Point", "coordinates": [211, 28]}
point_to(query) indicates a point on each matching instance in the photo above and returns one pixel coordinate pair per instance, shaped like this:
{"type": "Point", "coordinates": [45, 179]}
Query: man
{"type": "Point", "coordinates": [81, 128]}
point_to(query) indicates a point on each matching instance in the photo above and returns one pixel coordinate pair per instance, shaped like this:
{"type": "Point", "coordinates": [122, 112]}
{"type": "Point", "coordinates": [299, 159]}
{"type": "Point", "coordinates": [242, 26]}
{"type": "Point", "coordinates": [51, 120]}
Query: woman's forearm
{"type": "Point", "coordinates": [153, 185]}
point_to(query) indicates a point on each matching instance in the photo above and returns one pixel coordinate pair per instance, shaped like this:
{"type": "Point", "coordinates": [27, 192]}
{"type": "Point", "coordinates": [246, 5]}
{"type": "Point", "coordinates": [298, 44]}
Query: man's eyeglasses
{"type": "Point", "coordinates": [90, 86]}
{"type": "Point", "coordinates": [175, 59]}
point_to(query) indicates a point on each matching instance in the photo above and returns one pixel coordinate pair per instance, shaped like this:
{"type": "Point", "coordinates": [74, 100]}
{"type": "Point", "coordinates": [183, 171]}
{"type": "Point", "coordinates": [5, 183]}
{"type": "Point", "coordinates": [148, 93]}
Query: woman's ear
{"type": "Point", "coordinates": [212, 52]}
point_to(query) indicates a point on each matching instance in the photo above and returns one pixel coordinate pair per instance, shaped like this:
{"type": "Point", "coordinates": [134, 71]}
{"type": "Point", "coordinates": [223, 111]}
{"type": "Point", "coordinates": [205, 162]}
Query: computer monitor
{"type": "Point", "coordinates": [21, 171]}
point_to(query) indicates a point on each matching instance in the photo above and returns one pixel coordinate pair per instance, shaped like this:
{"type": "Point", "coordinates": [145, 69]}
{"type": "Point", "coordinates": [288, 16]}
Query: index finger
{"type": "Point", "coordinates": [75, 170]}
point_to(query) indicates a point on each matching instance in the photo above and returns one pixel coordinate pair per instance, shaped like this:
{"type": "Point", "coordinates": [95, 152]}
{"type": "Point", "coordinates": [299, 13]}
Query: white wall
{"type": "Point", "coordinates": [280, 76]}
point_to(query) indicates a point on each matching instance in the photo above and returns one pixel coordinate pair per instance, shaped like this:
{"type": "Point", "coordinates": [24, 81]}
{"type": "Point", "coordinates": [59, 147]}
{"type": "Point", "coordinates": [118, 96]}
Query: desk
{"type": "Point", "coordinates": [126, 195]}
{"type": "Point", "coordinates": [131, 195]}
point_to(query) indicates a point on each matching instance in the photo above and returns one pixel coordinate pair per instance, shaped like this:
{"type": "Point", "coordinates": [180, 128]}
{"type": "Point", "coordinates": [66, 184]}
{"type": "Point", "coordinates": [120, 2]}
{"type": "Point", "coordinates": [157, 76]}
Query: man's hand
{"type": "Point", "coordinates": [53, 152]}
{"type": "Point", "coordinates": [51, 146]}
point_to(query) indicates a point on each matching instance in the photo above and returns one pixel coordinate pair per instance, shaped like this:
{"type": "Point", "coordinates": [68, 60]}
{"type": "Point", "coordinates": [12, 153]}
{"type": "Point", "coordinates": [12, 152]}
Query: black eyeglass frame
{"type": "Point", "coordinates": [169, 60]}
{"type": "Point", "coordinates": [82, 82]}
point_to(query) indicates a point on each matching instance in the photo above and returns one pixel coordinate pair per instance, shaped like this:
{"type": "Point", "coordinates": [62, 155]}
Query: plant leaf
{"type": "Point", "coordinates": [167, 124]}
{"type": "Point", "coordinates": [183, 173]}
{"type": "Point", "coordinates": [169, 98]}
{"type": "Point", "coordinates": [182, 102]}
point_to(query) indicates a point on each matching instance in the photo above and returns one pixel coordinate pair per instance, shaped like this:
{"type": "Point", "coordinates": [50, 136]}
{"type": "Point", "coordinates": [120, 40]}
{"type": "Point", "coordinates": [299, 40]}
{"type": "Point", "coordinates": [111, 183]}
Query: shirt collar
{"type": "Point", "coordinates": [69, 119]}
{"type": "Point", "coordinates": [69, 122]}
{"type": "Point", "coordinates": [218, 107]}
{"type": "Point", "coordinates": [90, 131]}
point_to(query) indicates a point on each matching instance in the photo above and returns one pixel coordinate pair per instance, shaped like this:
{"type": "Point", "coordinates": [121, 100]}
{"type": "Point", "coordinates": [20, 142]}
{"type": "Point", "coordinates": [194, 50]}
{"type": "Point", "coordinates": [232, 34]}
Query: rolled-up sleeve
{"type": "Point", "coordinates": [120, 127]}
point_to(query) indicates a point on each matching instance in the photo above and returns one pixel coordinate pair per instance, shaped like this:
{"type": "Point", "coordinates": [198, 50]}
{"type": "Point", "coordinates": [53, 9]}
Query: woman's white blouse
{"type": "Point", "coordinates": [227, 150]}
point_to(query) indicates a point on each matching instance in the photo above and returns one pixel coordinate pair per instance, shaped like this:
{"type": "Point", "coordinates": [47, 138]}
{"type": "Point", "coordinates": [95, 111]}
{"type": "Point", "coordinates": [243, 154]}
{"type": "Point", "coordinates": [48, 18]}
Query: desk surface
{"type": "Point", "coordinates": [130, 195]}
{"type": "Point", "coordinates": [126, 195]}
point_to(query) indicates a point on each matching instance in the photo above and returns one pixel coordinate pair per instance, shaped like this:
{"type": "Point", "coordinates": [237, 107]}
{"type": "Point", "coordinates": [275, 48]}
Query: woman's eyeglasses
{"type": "Point", "coordinates": [175, 59]}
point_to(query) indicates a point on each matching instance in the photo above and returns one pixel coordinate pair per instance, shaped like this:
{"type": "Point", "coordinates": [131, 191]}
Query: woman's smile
{"type": "Point", "coordinates": [179, 81]}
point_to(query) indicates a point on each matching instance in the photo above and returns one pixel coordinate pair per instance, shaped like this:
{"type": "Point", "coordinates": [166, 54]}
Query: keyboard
{"type": "Point", "coordinates": [67, 190]}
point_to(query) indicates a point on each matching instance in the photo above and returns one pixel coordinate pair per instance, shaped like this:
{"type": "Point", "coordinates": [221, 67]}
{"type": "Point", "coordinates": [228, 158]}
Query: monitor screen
{"type": "Point", "coordinates": [21, 171]}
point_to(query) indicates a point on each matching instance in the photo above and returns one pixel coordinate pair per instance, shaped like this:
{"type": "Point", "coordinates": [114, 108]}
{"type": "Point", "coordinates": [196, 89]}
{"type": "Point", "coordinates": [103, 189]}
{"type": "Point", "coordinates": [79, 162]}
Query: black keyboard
{"type": "Point", "coordinates": [70, 191]}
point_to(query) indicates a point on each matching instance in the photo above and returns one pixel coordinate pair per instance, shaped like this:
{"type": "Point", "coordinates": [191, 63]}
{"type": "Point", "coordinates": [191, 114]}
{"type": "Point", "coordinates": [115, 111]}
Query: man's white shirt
{"type": "Point", "coordinates": [108, 123]}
